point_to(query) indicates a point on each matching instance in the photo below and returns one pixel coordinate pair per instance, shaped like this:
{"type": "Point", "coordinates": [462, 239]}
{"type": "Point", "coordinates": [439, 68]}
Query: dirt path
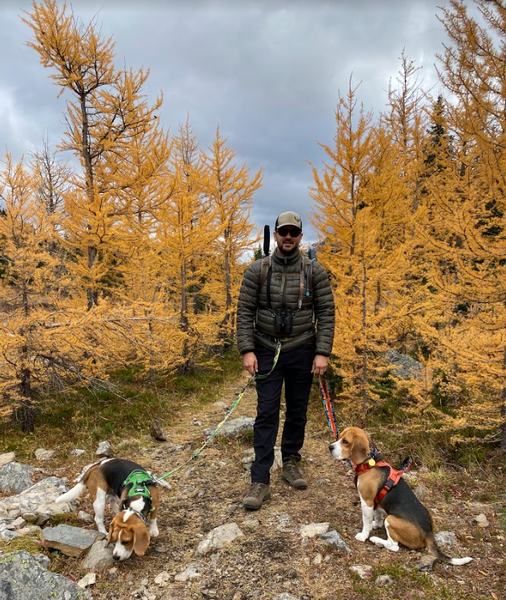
{"type": "Point", "coordinates": [272, 558]}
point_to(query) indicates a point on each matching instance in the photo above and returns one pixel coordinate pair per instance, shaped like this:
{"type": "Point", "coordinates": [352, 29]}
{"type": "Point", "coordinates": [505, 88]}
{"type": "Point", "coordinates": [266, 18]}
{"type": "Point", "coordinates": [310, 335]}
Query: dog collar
{"type": "Point", "coordinates": [138, 514]}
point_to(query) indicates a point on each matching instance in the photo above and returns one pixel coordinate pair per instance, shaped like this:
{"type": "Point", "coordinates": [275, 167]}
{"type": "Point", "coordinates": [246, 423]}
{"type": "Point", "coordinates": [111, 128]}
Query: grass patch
{"type": "Point", "coordinates": [402, 578]}
{"type": "Point", "coordinates": [124, 410]}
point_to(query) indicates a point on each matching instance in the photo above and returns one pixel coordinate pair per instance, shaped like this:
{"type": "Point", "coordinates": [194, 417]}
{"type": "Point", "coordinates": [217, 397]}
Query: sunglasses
{"type": "Point", "coordinates": [293, 231]}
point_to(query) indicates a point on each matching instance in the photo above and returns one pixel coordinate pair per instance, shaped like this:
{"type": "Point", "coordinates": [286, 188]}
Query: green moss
{"type": "Point", "coordinates": [21, 543]}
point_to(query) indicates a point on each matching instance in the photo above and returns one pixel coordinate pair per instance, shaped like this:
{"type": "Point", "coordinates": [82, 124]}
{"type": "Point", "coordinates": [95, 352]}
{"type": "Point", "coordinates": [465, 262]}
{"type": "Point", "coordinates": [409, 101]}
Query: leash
{"type": "Point", "coordinates": [233, 406]}
{"type": "Point", "coordinates": [328, 404]}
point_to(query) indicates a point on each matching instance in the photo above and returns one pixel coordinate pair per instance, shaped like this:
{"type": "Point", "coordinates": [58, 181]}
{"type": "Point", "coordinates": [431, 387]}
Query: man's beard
{"type": "Point", "coordinates": [288, 252]}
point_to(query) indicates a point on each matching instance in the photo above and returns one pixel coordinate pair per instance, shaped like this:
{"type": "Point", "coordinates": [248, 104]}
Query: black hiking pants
{"type": "Point", "coordinates": [294, 369]}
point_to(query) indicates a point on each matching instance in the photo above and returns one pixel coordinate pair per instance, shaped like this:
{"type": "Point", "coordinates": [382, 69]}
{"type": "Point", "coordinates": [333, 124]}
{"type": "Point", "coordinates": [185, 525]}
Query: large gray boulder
{"type": "Point", "coordinates": [22, 577]}
{"type": "Point", "coordinates": [38, 501]}
{"type": "Point", "coordinates": [15, 477]}
{"type": "Point", "coordinates": [403, 366]}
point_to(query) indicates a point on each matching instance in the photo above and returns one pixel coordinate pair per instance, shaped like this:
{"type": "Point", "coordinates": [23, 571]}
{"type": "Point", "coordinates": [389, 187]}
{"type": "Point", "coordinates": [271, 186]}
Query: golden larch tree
{"type": "Point", "coordinates": [465, 222]}
{"type": "Point", "coordinates": [362, 227]}
{"type": "Point", "coordinates": [106, 121]}
{"type": "Point", "coordinates": [230, 190]}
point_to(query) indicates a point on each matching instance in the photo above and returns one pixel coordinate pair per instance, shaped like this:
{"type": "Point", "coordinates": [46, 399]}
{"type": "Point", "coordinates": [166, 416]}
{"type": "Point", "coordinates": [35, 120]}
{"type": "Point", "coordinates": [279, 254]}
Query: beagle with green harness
{"type": "Point", "coordinates": [387, 499]}
{"type": "Point", "coordinates": [134, 497]}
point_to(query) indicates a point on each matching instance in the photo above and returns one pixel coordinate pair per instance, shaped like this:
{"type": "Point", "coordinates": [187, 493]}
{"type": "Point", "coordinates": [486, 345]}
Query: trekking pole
{"type": "Point", "coordinates": [267, 240]}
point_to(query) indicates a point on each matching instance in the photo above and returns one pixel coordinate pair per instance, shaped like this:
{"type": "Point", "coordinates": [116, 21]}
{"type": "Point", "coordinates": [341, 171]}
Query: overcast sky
{"type": "Point", "coordinates": [268, 72]}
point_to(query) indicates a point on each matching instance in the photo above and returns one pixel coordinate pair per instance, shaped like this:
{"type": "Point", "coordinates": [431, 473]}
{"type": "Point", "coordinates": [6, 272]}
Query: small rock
{"type": "Point", "coordinates": [421, 492]}
{"type": "Point", "coordinates": [8, 535]}
{"type": "Point", "coordinates": [98, 556]}
{"type": "Point", "coordinates": [218, 538]}
{"type": "Point", "coordinates": [332, 538]}
{"type": "Point", "coordinates": [284, 522]}
{"type": "Point", "coordinates": [87, 580]}
{"type": "Point", "coordinates": [384, 581]}
{"type": "Point", "coordinates": [314, 529]}
{"type": "Point", "coordinates": [77, 452]}
{"type": "Point", "coordinates": [445, 538]}
{"type": "Point", "coordinates": [86, 517]}
{"type": "Point", "coordinates": [17, 523]}
{"type": "Point", "coordinates": [162, 579]}
{"type": "Point", "coordinates": [251, 523]}
{"type": "Point", "coordinates": [156, 431]}
{"type": "Point", "coordinates": [33, 530]}
{"type": "Point", "coordinates": [481, 520]}
{"type": "Point", "coordinates": [233, 427]}
{"type": "Point", "coordinates": [41, 454]}
{"type": "Point", "coordinates": [104, 449]}
{"type": "Point", "coordinates": [6, 458]}
{"type": "Point", "coordinates": [29, 517]}
{"type": "Point", "coordinates": [190, 572]}
{"type": "Point", "coordinates": [70, 540]}
{"type": "Point", "coordinates": [426, 563]}
{"type": "Point", "coordinates": [363, 571]}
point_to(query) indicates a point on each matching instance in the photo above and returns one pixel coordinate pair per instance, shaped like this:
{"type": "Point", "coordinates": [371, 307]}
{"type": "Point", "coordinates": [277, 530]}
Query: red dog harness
{"type": "Point", "coordinates": [392, 479]}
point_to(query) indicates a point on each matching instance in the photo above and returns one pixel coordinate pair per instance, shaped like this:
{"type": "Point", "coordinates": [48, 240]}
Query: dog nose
{"type": "Point", "coordinates": [330, 447]}
{"type": "Point", "coordinates": [115, 556]}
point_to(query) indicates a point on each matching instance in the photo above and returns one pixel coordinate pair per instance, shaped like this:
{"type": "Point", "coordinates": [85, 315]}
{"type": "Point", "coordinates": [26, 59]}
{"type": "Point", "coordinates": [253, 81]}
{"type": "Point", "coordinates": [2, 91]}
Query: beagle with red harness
{"type": "Point", "coordinates": [387, 499]}
{"type": "Point", "coordinates": [133, 496]}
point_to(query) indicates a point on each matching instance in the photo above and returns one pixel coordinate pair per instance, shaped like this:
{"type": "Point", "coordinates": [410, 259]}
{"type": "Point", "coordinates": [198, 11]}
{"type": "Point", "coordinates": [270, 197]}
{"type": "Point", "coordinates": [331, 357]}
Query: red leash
{"type": "Point", "coordinates": [328, 405]}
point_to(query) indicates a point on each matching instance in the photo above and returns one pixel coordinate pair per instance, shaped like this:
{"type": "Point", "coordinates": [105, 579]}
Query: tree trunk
{"type": "Point", "coordinates": [27, 424]}
{"type": "Point", "coordinates": [503, 405]}
{"type": "Point", "coordinates": [365, 399]}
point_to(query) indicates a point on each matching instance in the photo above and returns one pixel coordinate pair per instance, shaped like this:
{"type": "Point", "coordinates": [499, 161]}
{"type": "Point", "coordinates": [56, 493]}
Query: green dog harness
{"type": "Point", "coordinates": [137, 483]}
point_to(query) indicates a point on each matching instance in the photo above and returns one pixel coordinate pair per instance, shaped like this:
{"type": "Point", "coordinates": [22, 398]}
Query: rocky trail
{"type": "Point", "coordinates": [278, 552]}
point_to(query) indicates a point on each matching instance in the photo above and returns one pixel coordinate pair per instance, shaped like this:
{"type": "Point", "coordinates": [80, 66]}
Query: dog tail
{"type": "Point", "coordinates": [438, 555]}
{"type": "Point", "coordinates": [73, 493]}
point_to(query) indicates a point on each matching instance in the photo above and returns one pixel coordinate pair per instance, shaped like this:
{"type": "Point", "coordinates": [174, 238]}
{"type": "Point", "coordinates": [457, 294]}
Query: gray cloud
{"type": "Point", "coordinates": [267, 72]}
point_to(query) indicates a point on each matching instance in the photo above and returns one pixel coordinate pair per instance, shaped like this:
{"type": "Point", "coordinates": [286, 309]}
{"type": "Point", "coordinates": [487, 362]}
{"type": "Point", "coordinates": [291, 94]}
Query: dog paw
{"type": "Point", "coordinates": [153, 531]}
{"type": "Point", "coordinates": [361, 537]}
{"type": "Point", "coordinates": [388, 544]}
{"type": "Point", "coordinates": [376, 540]}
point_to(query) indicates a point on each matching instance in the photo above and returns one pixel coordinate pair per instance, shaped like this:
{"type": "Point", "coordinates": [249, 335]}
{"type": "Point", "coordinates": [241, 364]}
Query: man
{"type": "Point", "coordinates": [292, 306]}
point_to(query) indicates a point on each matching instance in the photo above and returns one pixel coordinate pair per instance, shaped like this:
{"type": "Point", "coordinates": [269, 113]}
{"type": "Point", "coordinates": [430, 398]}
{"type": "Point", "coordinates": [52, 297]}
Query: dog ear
{"type": "Point", "coordinates": [360, 448]}
{"type": "Point", "coordinates": [141, 540]}
{"type": "Point", "coordinates": [112, 534]}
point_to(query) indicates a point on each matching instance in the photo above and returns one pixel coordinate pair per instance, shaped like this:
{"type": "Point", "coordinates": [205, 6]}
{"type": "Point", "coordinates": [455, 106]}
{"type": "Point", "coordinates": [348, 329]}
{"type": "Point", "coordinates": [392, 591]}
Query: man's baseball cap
{"type": "Point", "coordinates": [289, 218]}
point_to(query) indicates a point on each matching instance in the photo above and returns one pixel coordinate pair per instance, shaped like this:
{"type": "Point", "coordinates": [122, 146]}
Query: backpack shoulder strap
{"type": "Point", "coordinates": [308, 270]}
{"type": "Point", "coordinates": [266, 265]}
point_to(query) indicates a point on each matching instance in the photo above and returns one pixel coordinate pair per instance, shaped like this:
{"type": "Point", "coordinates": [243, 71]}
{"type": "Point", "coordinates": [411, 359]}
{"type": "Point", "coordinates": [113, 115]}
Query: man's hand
{"type": "Point", "coordinates": [320, 364]}
{"type": "Point", "coordinates": [250, 363]}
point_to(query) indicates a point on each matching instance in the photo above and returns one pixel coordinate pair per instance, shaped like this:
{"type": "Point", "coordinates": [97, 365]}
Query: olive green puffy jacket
{"type": "Point", "coordinates": [313, 323]}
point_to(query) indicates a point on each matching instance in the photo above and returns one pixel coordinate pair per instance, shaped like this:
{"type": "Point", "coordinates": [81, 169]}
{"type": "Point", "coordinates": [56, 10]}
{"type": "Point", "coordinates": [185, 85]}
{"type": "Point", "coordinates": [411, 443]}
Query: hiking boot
{"type": "Point", "coordinates": [257, 495]}
{"type": "Point", "coordinates": [293, 474]}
